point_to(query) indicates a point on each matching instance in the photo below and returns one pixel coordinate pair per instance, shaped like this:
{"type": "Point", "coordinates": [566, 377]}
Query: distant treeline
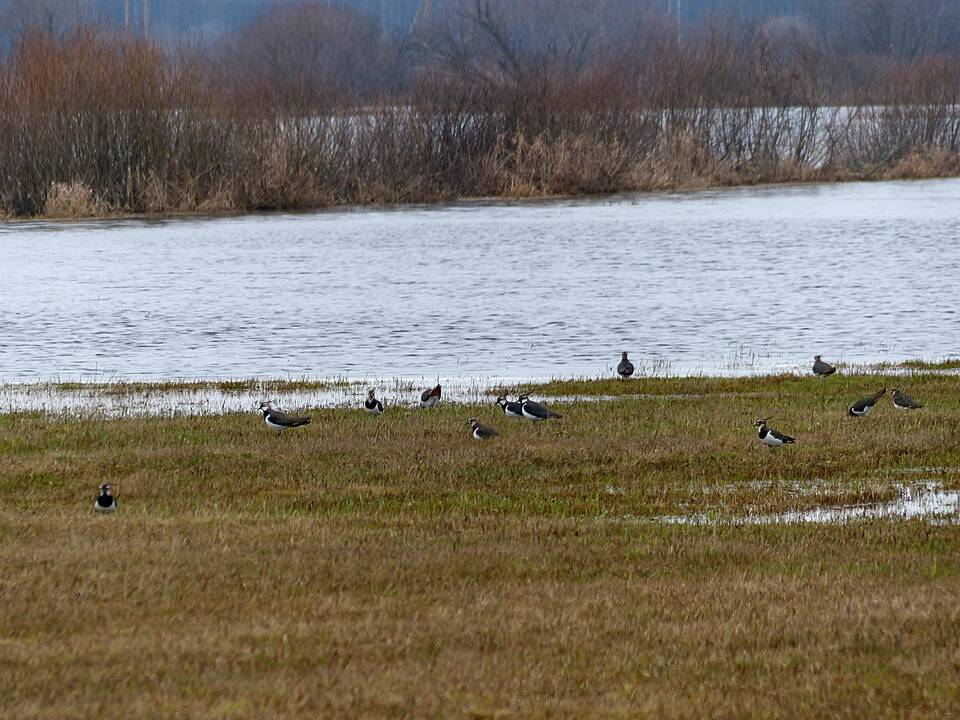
{"type": "Point", "coordinates": [313, 104]}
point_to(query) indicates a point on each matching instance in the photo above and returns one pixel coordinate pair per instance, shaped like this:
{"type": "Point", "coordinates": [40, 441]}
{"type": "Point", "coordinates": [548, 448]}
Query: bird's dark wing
{"type": "Point", "coordinates": [538, 410]}
{"type": "Point", "coordinates": [781, 437]}
{"type": "Point", "coordinates": [288, 420]}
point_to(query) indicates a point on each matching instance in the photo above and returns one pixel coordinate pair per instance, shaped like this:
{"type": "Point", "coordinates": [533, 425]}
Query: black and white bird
{"type": "Point", "coordinates": [511, 408]}
{"type": "Point", "coordinates": [770, 437]}
{"type": "Point", "coordinates": [430, 398]}
{"type": "Point", "coordinates": [105, 502]}
{"type": "Point", "coordinates": [862, 408]}
{"type": "Point", "coordinates": [821, 368]}
{"type": "Point", "coordinates": [280, 421]}
{"type": "Point", "coordinates": [625, 368]}
{"type": "Point", "coordinates": [372, 405]}
{"type": "Point", "coordinates": [481, 431]}
{"type": "Point", "coordinates": [902, 401]}
{"type": "Point", "coordinates": [534, 410]}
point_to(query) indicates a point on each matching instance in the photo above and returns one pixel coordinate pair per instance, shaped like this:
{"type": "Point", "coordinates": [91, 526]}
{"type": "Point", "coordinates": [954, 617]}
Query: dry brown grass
{"type": "Point", "coordinates": [394, 567]}
{"type": "Point", "coordinates": [73, 200]}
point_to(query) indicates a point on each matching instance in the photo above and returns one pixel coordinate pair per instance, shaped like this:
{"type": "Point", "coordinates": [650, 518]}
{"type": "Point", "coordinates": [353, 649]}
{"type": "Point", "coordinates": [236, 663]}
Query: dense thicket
{"type": "Point", "coordinates": [314, 104]}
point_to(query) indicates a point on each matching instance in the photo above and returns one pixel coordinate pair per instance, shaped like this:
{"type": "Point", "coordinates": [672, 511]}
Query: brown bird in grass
{"type": "Point", "coordinates": [821, 368]}
{"type": "Point", "coordinates": [280, 421]}
{"type": "Point", "coordinates": [902, 401]}
{"type": "Point", "coordinates": [625, 368]}
{"type": "Point", "coordinates": [481, 431]}
{"type": "Point", "coordinates": [430, 398]}
{"type": "Point", "coordinates": [862, 408]}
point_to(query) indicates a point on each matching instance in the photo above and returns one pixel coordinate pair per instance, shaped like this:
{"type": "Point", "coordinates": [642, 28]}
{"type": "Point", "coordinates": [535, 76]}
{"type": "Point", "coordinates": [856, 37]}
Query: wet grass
{"type": "Point", "coordinates": [393, 566]}
{"type": "Point", "coordinates": [133, 387]}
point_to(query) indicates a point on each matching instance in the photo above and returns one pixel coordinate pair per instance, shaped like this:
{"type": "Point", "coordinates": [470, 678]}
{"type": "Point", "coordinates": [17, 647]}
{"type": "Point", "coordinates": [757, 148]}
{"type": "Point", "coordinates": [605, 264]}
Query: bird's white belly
{"type": "Point", "coordinates": [430, 402]}
{"type": "Point", "coordinates": [770, 440]}
{"type": "Point", "coordinates": [100, 509]}
{"type": "Point", "coordinates": [274, 426]}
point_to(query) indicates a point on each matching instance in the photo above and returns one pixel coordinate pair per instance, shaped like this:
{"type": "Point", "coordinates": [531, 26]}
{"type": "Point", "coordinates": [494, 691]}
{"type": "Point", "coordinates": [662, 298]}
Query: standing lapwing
{"type": "Point", "coordinates": [105, 502]}
{"type": "Point", "coordinates": [512, 409]}
{"type": "Point", "coordinates": [821, 368]}
{"type": "Point", "coordinates": [372, 405]}
{"type": "Point", "coordinates": [861, 408]}
{"type": "Point", "coordinates": [770, 437]}
{"type": "Point", "coordinates": [902, 401]}
{"type": "Point", "coordinates": [481, 431]}
{"type": "Point", "coordinates": [625, 368]}
{"type": "Point", "coordinates": [280, 421]}
{"type": "Point", "coordinates": [534, 410]}
{"type": "Point", "coordinates": [430, 398]}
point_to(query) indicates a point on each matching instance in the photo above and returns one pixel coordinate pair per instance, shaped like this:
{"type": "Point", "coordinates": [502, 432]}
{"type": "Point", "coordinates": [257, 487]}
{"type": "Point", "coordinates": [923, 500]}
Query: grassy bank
{"type": "Point", "coordinates": [393, 566]}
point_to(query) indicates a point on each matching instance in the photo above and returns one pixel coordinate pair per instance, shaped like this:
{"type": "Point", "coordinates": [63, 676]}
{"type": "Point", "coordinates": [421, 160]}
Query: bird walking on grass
{"type": "Point", "coordinates": [770, 437]}
{"type": "Point", "coordinates": [862, 408]}
{"type": "Point", "coordinates": [821, 368]}
{"type": "Point", "coordinates": [280, 421]}
{"type": "Point", "coordinates": [105, 502]}
{"type": "Point", "coordinates": [430, 398]}
{"type": "Point", "coordinates": [902, 401]}
{"type": "Point", "coordinates": [372, 405]}
{"type": "Point", "coordinates": [481, 431]}
{"type": "Point", "coordinates": [511, 408]}
{"type": "Point", "coordinates": [625, 368]}
{"type": "Point", "coordinates": [535, 411]}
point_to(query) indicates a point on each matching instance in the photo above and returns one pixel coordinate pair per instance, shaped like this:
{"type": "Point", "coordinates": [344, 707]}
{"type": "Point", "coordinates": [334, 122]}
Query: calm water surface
{"type": "Point", "coordinates": [745, 280]}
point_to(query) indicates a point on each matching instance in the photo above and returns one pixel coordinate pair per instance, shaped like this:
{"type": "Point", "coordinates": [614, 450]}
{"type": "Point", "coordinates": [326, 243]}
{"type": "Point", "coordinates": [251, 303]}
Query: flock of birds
{"type": "Point", "coordinates": [524, 407]}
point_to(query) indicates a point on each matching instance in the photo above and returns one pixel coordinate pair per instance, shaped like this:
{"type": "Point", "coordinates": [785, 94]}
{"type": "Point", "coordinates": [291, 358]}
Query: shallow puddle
{"type": "Point", "coordinates": [930, 502]}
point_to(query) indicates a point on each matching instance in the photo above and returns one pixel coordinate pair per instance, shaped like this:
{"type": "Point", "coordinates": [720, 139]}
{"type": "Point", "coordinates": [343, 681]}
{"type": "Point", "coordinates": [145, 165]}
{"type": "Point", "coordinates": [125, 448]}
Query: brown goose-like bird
{"type": "Point", "coordinates": [625, 368]}
{"type": "Point", "coordinates": [481, 431]}
{"type": "Point", "coordinates": [280, 421]}
{"type": "Point", "coordinates": [862, 408]}
{"type": "Point", "coordinates": [821, 368]}
{"type": "Point", "coordinates": [430, 398]}
{"type": "Point", "coordinates": [902, 401]}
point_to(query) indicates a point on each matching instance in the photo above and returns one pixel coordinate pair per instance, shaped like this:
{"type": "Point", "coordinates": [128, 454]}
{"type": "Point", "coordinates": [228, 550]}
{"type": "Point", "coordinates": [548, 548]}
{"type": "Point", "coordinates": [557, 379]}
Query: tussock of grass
{"type": "Point", "coordinates": [394, 566]}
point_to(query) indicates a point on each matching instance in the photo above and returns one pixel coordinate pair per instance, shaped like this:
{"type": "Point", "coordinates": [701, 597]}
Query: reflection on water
{"type": "Point", "coordinates": [730, 281]}
{"type": "Point", "coordinates": [929, 502]}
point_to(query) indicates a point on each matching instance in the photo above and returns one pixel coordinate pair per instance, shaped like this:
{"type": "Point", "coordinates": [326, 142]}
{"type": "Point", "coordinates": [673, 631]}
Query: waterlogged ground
{"type": "Point", "coordinates": [733, 281]}
{"type": "Point", "coordinates": [642, 557]}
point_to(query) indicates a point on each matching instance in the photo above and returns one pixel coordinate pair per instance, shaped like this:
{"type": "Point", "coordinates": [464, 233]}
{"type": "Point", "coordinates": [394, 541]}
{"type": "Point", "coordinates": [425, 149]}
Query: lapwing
{"type": "Point", "coordinates": [625, 368]}
{"type": "Point", "coordinates": [105, 502]}
{"type": "Point", "coordinates": [534, 410]}
{"type": "Point", "coordinates": [821, 368]}
{"type": "Point", "coordinates": [280, 421]}
{"type": "Point", "coordinates": [902, 401]}
{"type": "Point", "coordinates": [510, 408]}
{"type": "Point", "coordinates": [770, 437]}
{"type": "Point", "coordinates": [481, 431]}
{"type": "Point", "coordinates": [430, 398]}
{"type": "Point", "coordinates": [372, 405]}
{"type": "Point", "coordinates": [863, 407]}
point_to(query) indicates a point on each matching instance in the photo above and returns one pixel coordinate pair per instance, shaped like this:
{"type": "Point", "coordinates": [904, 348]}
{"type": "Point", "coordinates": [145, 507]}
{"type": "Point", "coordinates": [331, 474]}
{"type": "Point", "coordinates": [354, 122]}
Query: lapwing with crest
{"type": "Point", "coordinates": [770, 437]}
{"type": "Point", "coordinates": [105, 502]}
{"type": "Point", "coordinates": [862, 408]}
{"type": "Point", "coordinates": [625, 368]}
{"type": "Point", "coordinates": [535, 411]}
{"type": "Point", "coordinates": [372, 405]}
{"type": "Point", "coordinates": [481, 431]}
{"type": "Point", "coordinates": [430, 398]}
{"type": "Point", "coordinates": [902, 401]}
{"type": "Point", "coordinates": [821, 368]}
{"type": "Point", "coordinates": [511, 408]}
{"type": "Point", "coordinates": [280, 421]}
